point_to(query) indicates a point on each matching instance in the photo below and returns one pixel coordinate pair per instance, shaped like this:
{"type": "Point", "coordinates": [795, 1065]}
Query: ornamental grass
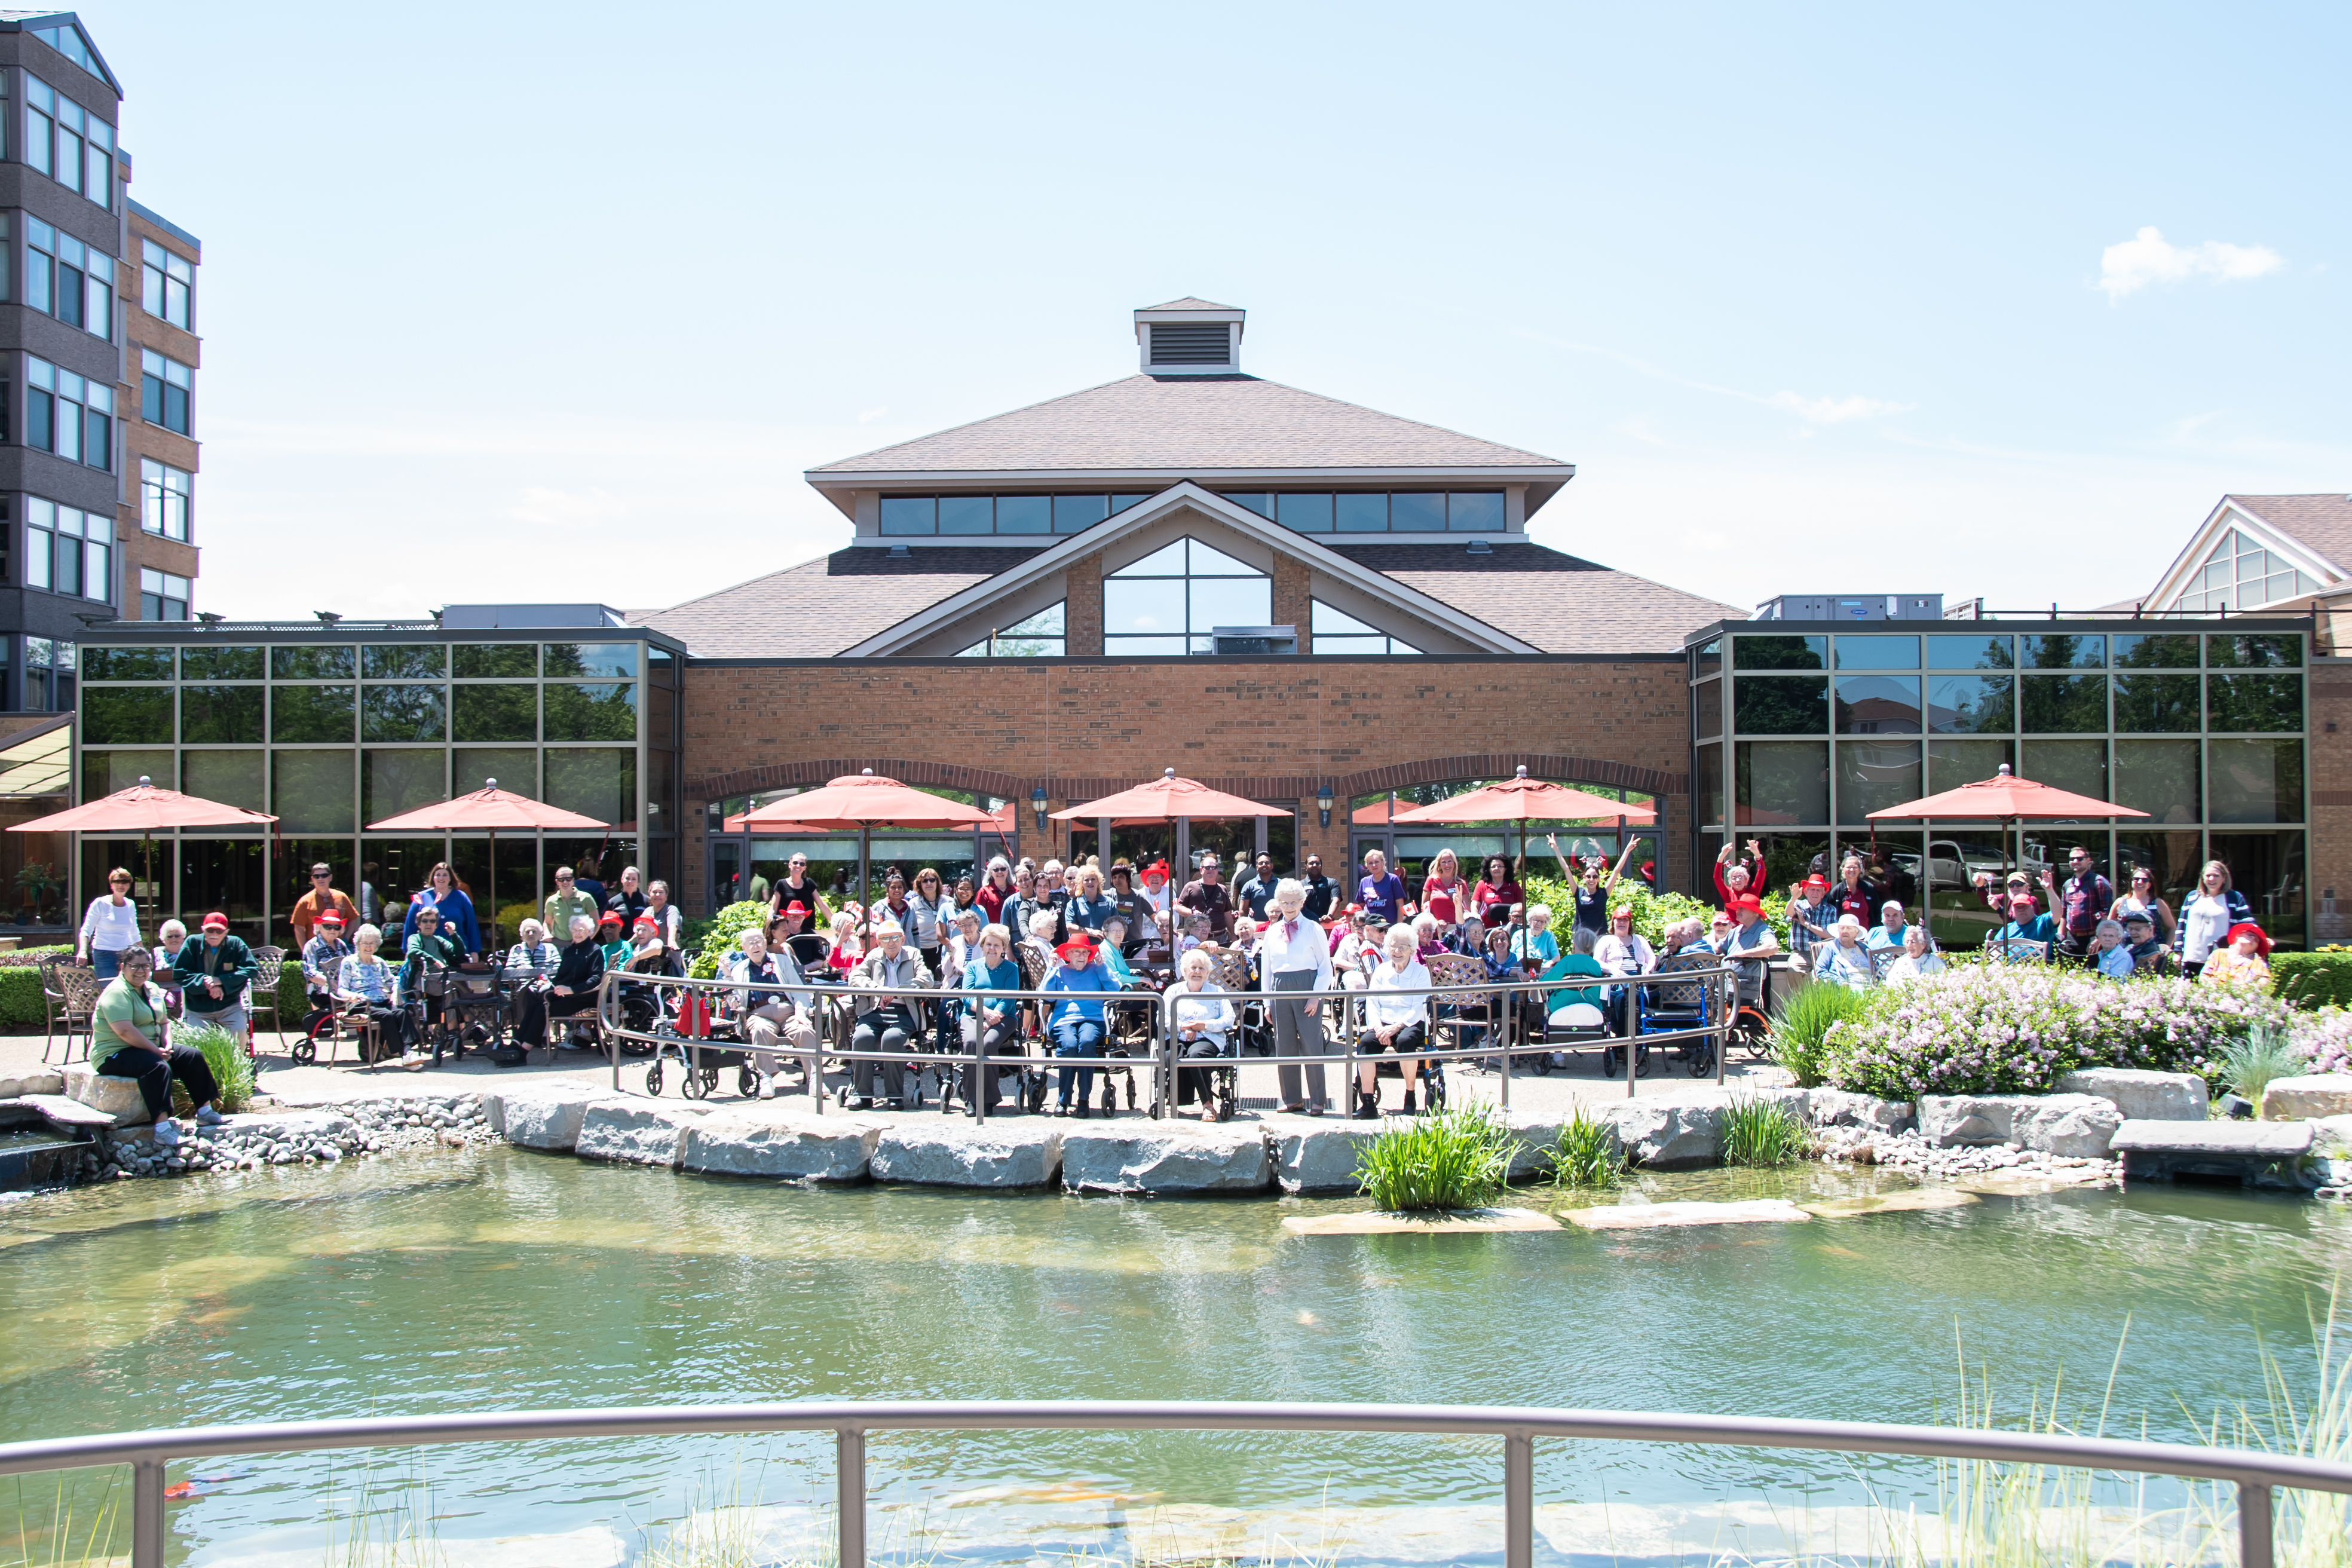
{"type": "Point", "coordinates": [1454, 1160]}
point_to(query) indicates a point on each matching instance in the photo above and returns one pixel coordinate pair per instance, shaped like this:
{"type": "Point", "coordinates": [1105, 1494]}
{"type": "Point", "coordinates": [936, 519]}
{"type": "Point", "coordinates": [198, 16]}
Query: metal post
{"type": "Point", "coordinates": [1519, 1501]}
{"type": "Point", "coordinates": [849, 1496]}
{"type": "Point", "coordinates": [1512, 1002]}
{"type": "Point", "coordinates": [1731, 1011]}
{"type": "Point", "coordinates": [2254, 1525]}
{"type": "Point", "coordinates": [147, 1512]}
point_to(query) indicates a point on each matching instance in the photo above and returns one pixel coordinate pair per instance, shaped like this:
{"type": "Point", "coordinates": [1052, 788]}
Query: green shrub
{"type": "Point", "coordinates": [2249, 1066]}
{"type": "Point", "coordinates": [719, 938]}
{"type": "Point", "coordinates": [33, 957]}
{"type": "Point", "coordinates": [232, 1068]}
{"type": "Point", "coordinates": [1586, 1154]}
{"type": "Point", "coordinates": [1454, 1160]}
{"type": "Point", "coordinates": [1801, 1026]}
{"type": "Point", "coordinates": [1762, 1132]}
{"type": "Point", "coordinates": [2322, 979]}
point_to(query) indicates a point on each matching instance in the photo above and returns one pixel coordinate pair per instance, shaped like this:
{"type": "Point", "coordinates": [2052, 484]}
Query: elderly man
{"type": "Point", "coordinates": [1752, 942]}
{"type": "Point", "coordinates": [1293, 957]}
{"type": "Point", "coordinates": [886, 1020]}
{"type": "Point", "coordinates": [773, 1001]}
{"type": "Point", "coordinates": [566, 901]}
{"type": "Point", "coordinates": [213, 975]}
{"type": "Point", "coordinates": [322, 960]}
{"type": "Point", "coordinates": [133, 1039]}
{"type": "Point", "coordinates": [2139, 938]}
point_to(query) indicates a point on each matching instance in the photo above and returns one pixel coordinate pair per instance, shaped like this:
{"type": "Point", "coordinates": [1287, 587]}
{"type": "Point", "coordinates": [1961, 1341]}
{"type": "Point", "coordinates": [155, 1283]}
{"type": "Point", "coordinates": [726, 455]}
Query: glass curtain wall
{"type": "Point", "coordinates": [1797, 736]}
{"type": "Point", "coordinates": [330, 735]}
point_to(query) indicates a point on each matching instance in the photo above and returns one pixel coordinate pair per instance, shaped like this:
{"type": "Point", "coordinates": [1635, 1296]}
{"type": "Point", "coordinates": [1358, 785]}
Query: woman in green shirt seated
{"type": "Point", "coordinates": [133, 1039]}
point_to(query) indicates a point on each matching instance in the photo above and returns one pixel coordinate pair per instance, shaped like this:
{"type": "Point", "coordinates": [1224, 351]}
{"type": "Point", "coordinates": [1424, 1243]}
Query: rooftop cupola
{"type": "Point", "coordinates": [1189, 337]}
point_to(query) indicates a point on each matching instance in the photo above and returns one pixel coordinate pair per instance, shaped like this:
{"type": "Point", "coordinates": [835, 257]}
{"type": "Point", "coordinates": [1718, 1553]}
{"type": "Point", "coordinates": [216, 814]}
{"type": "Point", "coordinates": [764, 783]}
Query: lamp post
{"type": "Point", "coordinates": [1323, 807]}
{"type": "Point", "coordinates": [1037, 806]}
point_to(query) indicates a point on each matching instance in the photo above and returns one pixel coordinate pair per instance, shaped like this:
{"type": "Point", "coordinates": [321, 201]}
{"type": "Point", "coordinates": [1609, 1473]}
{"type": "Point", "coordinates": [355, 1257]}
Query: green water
{"type": "Point", "coordinates": [497, 1280]}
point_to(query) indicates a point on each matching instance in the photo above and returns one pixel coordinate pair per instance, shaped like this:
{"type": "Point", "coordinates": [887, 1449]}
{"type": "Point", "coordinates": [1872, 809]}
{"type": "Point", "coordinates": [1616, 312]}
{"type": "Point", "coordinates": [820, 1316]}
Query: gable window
{"type": "Point", "coordinates": [1172, 600]}
{"type": "Point", "coordinates": [67, 280]}
{"type": "Point", "coordinates": [1039, 636]}
{"type": "Point", "coordinates": [2237, 574]}
{"type": "Point", "coordinates": [1339, 633]}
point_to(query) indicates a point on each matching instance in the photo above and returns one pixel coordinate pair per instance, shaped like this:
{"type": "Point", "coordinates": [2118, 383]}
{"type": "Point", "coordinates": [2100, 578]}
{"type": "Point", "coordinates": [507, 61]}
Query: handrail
{"type": "Point", "coordinates": [2255, 1475]}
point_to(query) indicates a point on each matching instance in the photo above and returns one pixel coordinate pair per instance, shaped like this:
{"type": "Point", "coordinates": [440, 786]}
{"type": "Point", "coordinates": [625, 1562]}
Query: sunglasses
{"type": "Point", "coordinates": [315, 876]}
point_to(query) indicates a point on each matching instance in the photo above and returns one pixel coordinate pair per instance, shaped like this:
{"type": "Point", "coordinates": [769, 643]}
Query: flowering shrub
{"type": "Point", "coordinates": [2325, 1037]}
{"type": "Point", "coordinates": [2003, 1028]}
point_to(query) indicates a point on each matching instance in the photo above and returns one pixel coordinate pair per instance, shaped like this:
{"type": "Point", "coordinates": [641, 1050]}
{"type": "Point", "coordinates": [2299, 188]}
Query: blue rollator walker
{"type": "Point", "coordinates": [1668, 1006]}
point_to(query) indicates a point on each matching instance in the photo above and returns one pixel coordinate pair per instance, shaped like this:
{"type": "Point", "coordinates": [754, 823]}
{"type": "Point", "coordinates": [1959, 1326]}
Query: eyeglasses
{"type": "Point", "coordinates": [563, 875]}
{"type": "Point", "coordinates": [119, 881]}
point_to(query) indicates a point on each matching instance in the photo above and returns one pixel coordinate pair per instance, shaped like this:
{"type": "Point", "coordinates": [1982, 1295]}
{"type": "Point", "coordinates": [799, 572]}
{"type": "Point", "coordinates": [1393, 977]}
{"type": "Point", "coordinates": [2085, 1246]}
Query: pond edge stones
{"type": "Point", "coordinates": [1168, 1156]}
{"type": "Point", "coordinates": [947, 1152]}
{"type": "Point", "coordinates": [802, 1147]}
{"type": "Point", "coordinates": [634, 1132]}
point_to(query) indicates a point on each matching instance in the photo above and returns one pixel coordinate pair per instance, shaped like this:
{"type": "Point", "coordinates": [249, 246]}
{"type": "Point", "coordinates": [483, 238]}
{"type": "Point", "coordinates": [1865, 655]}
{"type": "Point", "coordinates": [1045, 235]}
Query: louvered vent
{"type": "Point", "coordinates": [1204, 342]}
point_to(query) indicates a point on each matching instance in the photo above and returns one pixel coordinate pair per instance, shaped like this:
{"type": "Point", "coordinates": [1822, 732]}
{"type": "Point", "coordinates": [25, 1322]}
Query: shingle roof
{"type": "Point", "coordinates": [1193, 424]}
{"type": "Point", "coordinates": [1190, 303]}
{"type": "Point", "coordinates": [2322, 522]}
{"type": "Point", "coordinates": [1555, 601]}
{"type": "Point", "coordinates": [819, 607]}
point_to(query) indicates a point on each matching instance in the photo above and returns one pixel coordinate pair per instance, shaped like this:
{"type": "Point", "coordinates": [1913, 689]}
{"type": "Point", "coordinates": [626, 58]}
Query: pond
{"type": "Point", "coordinates": [497, 1278]}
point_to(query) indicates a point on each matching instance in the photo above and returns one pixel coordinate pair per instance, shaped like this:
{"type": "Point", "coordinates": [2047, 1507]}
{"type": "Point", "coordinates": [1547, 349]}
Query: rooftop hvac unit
{"type": "Point", "coordinates": [1254, 639]}
{"type": "Point", "coordinates": [1853, 608]}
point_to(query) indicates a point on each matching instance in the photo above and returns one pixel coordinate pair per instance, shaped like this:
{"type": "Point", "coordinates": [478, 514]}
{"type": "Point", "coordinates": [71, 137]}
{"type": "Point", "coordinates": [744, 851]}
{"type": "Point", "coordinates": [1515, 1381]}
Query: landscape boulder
{"type": "Point", "coordinates": [806, 1148]}
{"type": "Point", "coordinates": [118, 1097]}
{"type": "Point", "coordinates": [939, 1151]}
{"type": "Point", "coordinates": [2075, 1125]}
{"type": "Point", "coordinates": [31, 1080]}
{"type": "Point", "coordinates": [1678, 1133]}
{"type": "Point", "coordinates": [2144, 1095]}
{"type": "Point", "coordinates": [1317, 1155]}
{"type": "Point", "coordinates": [1843, 1108]}
{"type": "Point", "coordinates": [1166, 1157]}
{"type": "Point", "coordinates": [545, 1119]}
{"type": "Point", "coordinates": [2307, 1099]}
{"type": "Point", "coordinates": [633, 1131]}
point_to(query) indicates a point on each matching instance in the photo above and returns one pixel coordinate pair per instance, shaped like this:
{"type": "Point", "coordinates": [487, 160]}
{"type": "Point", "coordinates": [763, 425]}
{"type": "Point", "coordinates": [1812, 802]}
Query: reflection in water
{"type": "Point", "coordinates": [495, 1278]}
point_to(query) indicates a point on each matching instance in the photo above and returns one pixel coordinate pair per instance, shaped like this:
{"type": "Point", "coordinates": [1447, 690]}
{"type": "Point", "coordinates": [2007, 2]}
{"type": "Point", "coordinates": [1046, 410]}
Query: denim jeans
{"type": "Point", "coordinates": [1076, 1038]}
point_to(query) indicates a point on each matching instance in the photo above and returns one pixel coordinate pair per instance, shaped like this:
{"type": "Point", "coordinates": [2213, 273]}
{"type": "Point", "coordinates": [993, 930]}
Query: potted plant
{"type": "Point", "coordinates": [35, 879]}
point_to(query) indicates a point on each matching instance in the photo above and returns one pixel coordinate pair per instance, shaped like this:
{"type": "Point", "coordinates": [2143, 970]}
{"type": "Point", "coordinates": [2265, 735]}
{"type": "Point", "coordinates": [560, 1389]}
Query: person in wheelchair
{"type": "Point", "coordinates": [569, 991]}
{"type": "Point", "coordinates": [432, 952]}
{"type": "Point", "coordinates": [1623, 954]}
{"type": "Point", "coordinates": [612, 937]}
{"type": "Point", "coordinates": [1204, 1021]}
{"type": "Point", "coordinates": [992, 1020]}
{"type": "Point", "coordinates": [1751, 943]}
{"type": "Point", "coordinates": [781, 1007]}
{"type": "Point", "coordinates": [322, 960]}
{"type": "Point", "coordinates": [1395, 1022]}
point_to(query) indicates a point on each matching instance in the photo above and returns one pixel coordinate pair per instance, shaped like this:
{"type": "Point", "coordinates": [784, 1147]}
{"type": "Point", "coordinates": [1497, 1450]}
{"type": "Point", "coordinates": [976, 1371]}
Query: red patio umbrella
{"type": "Point", "coordinates": [1522, 800]}
{"type": "Point", "coordinates": [864, 801]}
{"type": "Point", "coordinates": [2004, 798]}
{"type": "Point", "coordinates": [487, 809]}
{"type": "Point", "coordinates": [1165, 799]}
{"type": "Point", "coordinates": [146, 809]}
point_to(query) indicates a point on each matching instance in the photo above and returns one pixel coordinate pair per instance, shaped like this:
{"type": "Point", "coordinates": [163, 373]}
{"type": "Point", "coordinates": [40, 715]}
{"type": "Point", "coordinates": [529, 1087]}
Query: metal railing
{"type": "Point", "coordinates": [833, 1003]}
{"type": "Point", "coordinates": [2256, 1476]}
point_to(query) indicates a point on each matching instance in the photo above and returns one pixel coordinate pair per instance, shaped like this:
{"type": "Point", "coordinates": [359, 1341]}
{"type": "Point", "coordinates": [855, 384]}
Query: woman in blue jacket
{"type": "Point", "coordinates": [1076, 1026]}
{"type": "Point", "coordinates": [441, 892]}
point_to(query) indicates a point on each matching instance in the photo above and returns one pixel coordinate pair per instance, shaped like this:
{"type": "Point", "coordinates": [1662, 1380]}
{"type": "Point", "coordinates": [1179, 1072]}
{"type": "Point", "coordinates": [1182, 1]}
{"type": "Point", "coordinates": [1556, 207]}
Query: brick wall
{"type": "Point", "coordinates": [1293, 599]}
{"type": "Point", "coordinates": [1272, 730]}
{"type": "Point", "coordinates": [140, 439]}
{"type": "Point", "coordinates": [1082, 607]}
{"type": "Point", "coordinates": [2330, 764]}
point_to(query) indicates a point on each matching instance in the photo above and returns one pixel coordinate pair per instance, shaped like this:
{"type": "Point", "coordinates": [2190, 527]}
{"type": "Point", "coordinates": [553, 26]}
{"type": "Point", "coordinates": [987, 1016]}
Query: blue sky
{"type": "Point", "coordinates": [559, 302]}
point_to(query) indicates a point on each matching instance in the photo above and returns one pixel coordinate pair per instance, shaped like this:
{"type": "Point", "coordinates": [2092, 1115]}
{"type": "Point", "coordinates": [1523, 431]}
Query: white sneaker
{"type": "Point", "coordinates": [768, 1086]}
{"type": "Point", "coordinates": [167, 1133]}
{"type": "Point", "coordinates": [207, 1117]}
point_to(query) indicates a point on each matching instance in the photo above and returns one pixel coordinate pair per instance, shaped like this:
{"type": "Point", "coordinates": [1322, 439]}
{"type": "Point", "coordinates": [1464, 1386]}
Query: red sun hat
{"type": "Point", "coordinates": [1745, 901]}
{"type": "Point", "coordinates": [1077, 953]}
{"type": "Point", "coordinates": [2243, 928]}
{"type": "Point", "coordinates": [1816, 883]}
{"type": "Point", "coordinates": [216, 921]}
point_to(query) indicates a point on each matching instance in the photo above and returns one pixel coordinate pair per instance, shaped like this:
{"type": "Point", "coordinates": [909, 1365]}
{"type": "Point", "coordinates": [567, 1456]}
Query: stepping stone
{"type": "Point", "coordinates": [1449, 1222]}
{"type": "Point", "coordinates": [2157, 1149]}
{"type": "Point", "coordinates": [1889, 1203]}
{"type": "Point", "coordinates": [2027, 1183]}
{"type": "Point", "coordinates": [1660, 1217]}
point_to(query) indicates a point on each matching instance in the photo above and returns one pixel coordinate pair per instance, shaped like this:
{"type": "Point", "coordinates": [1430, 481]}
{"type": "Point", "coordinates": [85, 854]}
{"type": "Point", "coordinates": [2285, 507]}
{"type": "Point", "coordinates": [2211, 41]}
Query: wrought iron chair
{"type": "Point", "coordinates": [70, 992]}
{"type": "Point", "coordinates": [268, 968]}
{"type": "Point", "coordinates": [2017, 950]}
{"type": "Point", "coordinates": [1882, 958]}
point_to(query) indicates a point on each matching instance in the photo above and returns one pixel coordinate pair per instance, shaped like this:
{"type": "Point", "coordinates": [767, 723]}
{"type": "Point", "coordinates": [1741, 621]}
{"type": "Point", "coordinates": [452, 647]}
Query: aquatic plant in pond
{"type": "Point", "coordinates": [1800, 1022]}
{"type": "Point", "coordinates": [1455, 1159]}
{"type": "Point", "coordinates": [1762, 1132]}
{"type": "Point", "coordinates": [1586, 1154]}
{"type": "Point", "coordinates": [1984, 1027]}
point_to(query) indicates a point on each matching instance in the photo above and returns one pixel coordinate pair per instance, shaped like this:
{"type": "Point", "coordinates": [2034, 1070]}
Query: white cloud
{"type": "Point", "coordinates": [2148, 257]}
{"type": "Point", "coordinates": [1834, 410]}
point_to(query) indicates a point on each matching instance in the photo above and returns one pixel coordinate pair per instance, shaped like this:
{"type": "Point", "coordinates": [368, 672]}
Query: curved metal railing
{"type": "Point", "coordinates": [2255, 1475]}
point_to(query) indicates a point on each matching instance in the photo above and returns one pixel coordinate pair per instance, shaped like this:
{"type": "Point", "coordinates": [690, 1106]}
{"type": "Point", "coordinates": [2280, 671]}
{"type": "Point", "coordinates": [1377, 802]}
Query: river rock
{"type": "Point", "coordinates": [118, 1097]}
{"type": "Point", "coordinates": [795, 1147]}
{"type": "Point", "coordinates": [1669, 1133]}
{"type": "Point", "coordinates": [2145, 1096]}
{"type": "Point", "coordinates": [31, 1080]}
{"type": "Point", "coordinates": [1166, 1156]}
{"type": "Point", "coordinates": [2081, 1125]}
{"type": "Point", "coordinates": [2308, 1098]}
{"type": "Point", "coordinates": [941, 1152]}
{"type": "Point", "coordinates": [544, 1119]}
{"type": "Point", "coordinates": [1843, 1108]}
{"type": "Point", "coordinates": [1315, 1155]}
{"type": "Point", "coordinates": [633, 1132]}
{"type": "Point", "coordinates": [1450, 1222]}
{"type": "Point", "coordinates": [1651, 1216]}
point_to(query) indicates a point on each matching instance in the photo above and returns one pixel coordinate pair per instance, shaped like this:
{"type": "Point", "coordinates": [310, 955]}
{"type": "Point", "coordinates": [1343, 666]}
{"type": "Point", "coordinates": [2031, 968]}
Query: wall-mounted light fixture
{"type": "Point", "coordinates": [1323, 807]}
{"type": "Point", "coordinates": [1038, 805]}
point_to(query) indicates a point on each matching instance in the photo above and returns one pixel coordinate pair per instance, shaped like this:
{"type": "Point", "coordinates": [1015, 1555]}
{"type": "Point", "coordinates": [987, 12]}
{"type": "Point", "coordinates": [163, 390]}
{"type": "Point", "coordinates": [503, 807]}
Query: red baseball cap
{"type": "Point", "coordinates": [215, 921]}
{"type": "Point", "coordinates": [329, 919]}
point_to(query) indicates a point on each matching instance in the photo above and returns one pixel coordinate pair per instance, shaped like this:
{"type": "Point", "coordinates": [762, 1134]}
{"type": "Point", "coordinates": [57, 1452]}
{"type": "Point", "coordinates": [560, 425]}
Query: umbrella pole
{"type": "Point", "coordinates": [491, 946]}
{"type": "Point", "coordinates": [865, 885]}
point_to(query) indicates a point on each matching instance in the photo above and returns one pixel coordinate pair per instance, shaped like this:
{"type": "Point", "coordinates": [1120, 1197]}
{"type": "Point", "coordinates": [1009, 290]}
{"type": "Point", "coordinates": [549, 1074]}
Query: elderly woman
{"type": "Point", "coordinates": [1844, 962]}
{"type": "Point", "coordinates": [1294, 961]}
{"type": "Point", "coordinates": [2110, 955]}
{"type": "Point", "coordinates": [771, 1004]}
{"type": "Point", "coordinates": [567, 989]}
{"type": "Point", "coordinates": [2245, 962]}
{"type": "Point", "coordinates": [365, 980]}
{"type": "Point", "coordinates": [1536, 947]}
{"type": "Point", "coordinates": [885, 1018]}
{"type": "Point", "coordinates": [1395, 1020]}
{"type": "Point", "coordinates": [992, 1023]}
{"type": "Point", "coordinates": [1920, 957]}
{"type": "Point", "coordinates": [1202, 1019]}
{"type": "Point", "coordinates": [131, 1039]}
{"type": "Point", "coordinates": [1075, 1025]}
{"type": "Point", "coordinates": [528, 964]}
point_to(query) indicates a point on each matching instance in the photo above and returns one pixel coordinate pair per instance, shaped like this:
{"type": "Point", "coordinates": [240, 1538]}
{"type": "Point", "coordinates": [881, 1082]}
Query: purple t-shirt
{"type": "Point", "coordinates": [1382, 896]}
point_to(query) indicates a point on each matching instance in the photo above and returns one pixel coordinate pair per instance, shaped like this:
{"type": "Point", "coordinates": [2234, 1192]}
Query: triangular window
{"type": "Point", "coordinates": [1336, 632]}
{"type": "Point", "coordinates": [2238, 573]}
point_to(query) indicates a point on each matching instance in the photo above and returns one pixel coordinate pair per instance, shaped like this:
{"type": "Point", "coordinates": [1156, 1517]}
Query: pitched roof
{"type": "Point", "coordinates": [2323, 522]}
{"type": "Point", "coordinates": [1190, 302]}
{"type": "Point", "coordinates": [819, 607]}
{"type": "Point", "coordinates": [1550, 600]}
{"type": "Point", "coordinates": [1194, 424]}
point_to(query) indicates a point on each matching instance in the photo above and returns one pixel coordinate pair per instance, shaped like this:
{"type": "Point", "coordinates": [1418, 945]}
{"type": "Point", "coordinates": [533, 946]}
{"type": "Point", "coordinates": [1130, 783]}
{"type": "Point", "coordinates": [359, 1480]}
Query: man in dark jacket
{"type": "Point", "coordinates": [2080, 903]}
{"type": "Point", "coordinates": [213, 975]}
{"type": "Point", "coordinates": [578, 970]}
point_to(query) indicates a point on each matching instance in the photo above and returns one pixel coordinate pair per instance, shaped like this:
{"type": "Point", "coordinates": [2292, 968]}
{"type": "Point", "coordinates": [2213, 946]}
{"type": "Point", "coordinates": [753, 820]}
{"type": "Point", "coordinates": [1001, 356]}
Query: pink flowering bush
{"type": "Point", "coordinates": [2324, 1036]}
{"type": "Point", "coordinates": [2016, 1028]}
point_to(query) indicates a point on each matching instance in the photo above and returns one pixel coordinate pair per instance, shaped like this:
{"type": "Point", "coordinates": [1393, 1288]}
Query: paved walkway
{"type": "Point", "coordinates": [1580, 1080]}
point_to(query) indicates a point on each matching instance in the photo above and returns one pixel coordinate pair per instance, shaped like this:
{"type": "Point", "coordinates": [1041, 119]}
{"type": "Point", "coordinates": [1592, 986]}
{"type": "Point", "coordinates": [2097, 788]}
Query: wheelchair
{"type": "Point", "coordinates": [474, 1011]}
{"type": "Point", "coordinates": [1666, 1005]}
